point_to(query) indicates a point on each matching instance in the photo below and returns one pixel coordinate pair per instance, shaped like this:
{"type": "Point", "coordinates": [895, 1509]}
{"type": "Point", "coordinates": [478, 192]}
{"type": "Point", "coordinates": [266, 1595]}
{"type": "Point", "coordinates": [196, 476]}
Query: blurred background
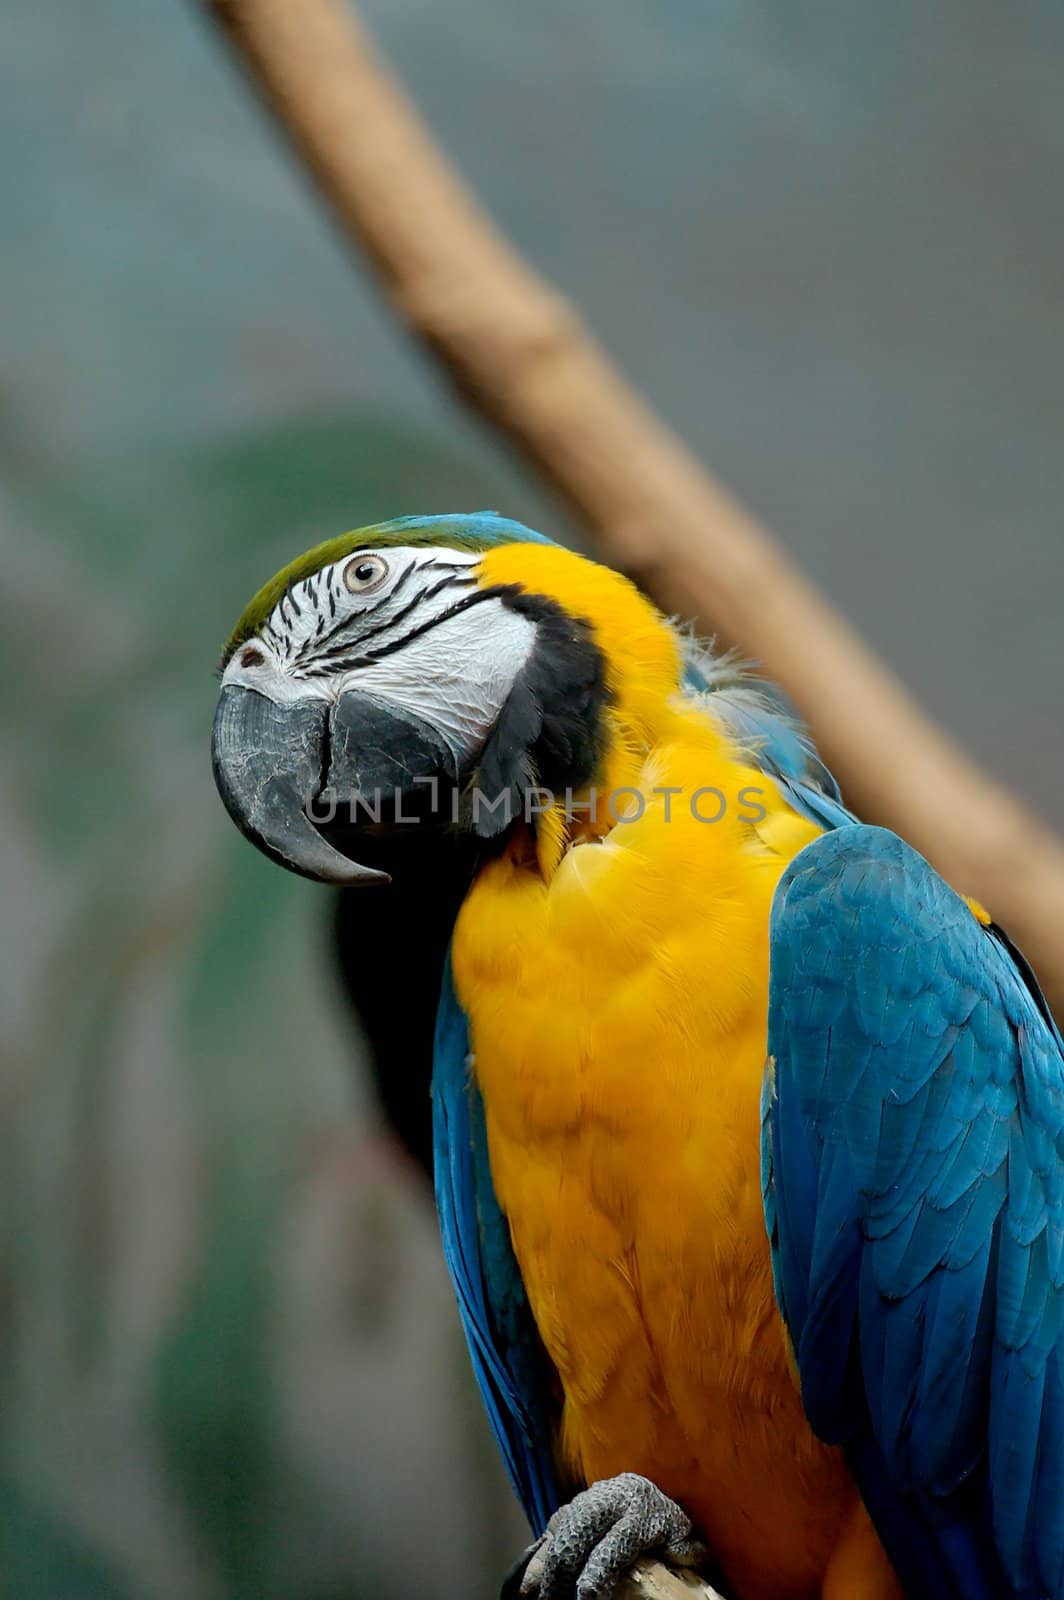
{"type": "Point", "coordinates": [825, 238]}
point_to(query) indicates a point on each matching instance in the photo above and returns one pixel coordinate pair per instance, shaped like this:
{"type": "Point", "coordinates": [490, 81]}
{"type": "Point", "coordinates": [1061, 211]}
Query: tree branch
{"type": "Point", "coordinates": [520, 357]}
{"type": "Point", "coordinates": [649, 1580]}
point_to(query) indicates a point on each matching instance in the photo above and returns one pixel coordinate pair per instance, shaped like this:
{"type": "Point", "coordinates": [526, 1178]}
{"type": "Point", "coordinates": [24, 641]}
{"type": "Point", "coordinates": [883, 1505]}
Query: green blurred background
{"type": "Point", "coordinates": [825, 239]}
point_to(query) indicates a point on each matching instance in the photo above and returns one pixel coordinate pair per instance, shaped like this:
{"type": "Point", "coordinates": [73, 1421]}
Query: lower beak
{"type": "Point", "coordinates": [269, 763]}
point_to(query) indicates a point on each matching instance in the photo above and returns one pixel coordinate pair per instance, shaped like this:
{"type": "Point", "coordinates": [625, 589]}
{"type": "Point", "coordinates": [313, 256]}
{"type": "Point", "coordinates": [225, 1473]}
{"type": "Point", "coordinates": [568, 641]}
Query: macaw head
{"type": "Point", "coordinates": [431, 670]}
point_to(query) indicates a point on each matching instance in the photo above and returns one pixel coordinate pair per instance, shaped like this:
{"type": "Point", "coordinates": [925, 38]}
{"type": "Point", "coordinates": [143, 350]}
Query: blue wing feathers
{"type": "Point", "coordinates": [947, 1432]}
{"type": "Point", "coordinates": [510, 1365]}
{"type": "Point", "coordinates": [1049, 1530]}
{"type": "Point", "coordinates": [915, 1200]}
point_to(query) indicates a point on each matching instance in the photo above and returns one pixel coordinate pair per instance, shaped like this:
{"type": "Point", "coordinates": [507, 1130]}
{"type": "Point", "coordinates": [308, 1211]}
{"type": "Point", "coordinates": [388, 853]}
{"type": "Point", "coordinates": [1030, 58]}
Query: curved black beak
{"type": "Point", "coordinates": [269, 763]}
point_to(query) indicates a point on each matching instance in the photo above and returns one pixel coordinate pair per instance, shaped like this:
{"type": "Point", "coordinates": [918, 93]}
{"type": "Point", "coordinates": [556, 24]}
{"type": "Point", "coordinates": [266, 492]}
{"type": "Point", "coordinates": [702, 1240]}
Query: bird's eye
{"type": "Point", "coordinates": [365, 573]}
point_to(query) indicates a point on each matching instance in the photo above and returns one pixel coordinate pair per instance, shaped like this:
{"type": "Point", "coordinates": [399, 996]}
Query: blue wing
{"type": "Point", "coordinates": [511, 1367]}
{"type": "Point", "coordinates": [914, 1192]}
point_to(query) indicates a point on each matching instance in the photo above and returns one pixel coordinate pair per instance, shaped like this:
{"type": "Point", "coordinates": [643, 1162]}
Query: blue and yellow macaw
{"type": "Point", "coordinates": [747, 1126]}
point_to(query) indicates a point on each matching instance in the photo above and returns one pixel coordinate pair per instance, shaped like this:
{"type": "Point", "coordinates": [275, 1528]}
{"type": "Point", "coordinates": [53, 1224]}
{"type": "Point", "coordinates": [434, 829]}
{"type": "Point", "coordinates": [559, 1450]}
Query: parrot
{"type": "Point", "coordinates": [746, 1126]}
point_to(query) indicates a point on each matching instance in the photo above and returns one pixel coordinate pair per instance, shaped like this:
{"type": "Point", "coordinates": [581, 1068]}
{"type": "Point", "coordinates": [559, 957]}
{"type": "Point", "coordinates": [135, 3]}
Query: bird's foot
{"type": "Point", "coordinates": [593, 1540]}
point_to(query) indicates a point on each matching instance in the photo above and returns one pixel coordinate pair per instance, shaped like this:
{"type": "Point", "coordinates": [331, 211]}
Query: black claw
{"type": "Point", "coordinates": [511, 1584]}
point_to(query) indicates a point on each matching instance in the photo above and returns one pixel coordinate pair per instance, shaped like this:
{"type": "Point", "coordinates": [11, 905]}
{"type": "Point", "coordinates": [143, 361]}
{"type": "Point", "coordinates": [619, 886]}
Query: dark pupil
{"type": "Point", "coordinates": [364, 571]}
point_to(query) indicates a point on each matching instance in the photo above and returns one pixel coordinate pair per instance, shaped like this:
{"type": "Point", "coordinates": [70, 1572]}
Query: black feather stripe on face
{"type": "Point", "coordinates": [551, 731]}
{"type": "Point", "coordinates": [328, 663]}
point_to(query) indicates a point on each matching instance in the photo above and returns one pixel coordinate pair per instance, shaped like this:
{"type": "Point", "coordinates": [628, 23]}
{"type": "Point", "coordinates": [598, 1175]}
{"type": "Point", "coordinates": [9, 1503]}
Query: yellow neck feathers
{"type": "Point", "coordinates": [644, 665]}
{"type": "Point", "coordinates": [641, 650]}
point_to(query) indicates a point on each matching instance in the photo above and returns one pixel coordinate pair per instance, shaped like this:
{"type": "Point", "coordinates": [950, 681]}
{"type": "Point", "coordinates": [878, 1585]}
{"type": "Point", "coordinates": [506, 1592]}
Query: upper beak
{"type": "Point", "coordinates": [268, 762]}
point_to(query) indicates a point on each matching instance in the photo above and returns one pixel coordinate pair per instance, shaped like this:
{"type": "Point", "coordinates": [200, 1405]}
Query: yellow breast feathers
{"type": "Point", "coordinates": [615, 974]}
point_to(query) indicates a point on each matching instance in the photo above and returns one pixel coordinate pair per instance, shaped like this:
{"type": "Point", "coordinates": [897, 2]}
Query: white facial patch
{"type": "Point", "coordinates": [424, 639]}
{"type": "Point", "coordinates": [457, 675]}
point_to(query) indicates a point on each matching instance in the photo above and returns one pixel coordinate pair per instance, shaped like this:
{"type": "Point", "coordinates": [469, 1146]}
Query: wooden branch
{"type": "Point", "coordinates": [649, 1580]}
{"type": "Point", "coordinates": [519, 356]}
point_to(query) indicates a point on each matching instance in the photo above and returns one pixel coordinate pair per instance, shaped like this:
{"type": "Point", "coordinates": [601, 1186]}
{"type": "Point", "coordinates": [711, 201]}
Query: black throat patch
{"type": "Point", "coordinates": [551, 732]}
